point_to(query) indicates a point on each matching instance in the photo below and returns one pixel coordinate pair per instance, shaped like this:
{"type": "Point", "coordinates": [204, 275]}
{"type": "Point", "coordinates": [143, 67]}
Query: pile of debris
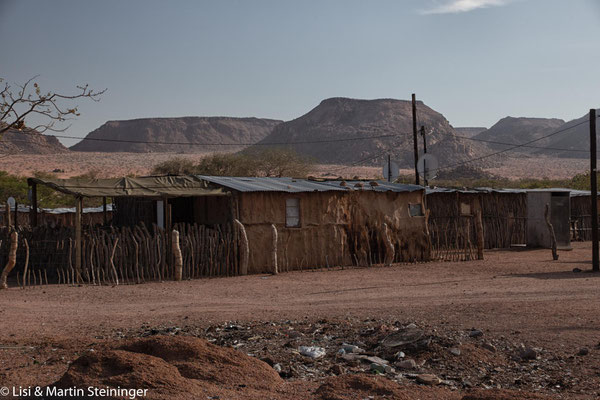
{"type": "Point", "coordinates": [404, 352]}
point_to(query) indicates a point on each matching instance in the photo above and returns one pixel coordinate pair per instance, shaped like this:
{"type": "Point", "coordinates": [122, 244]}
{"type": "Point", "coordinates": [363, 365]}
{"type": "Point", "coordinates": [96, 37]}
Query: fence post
{"type": "Point", "coordinates": [78, 211]}
{"type": "Point", "coordinates": [177, 257]}
{"type": "Point", "coordinates": [12, 259]}
{"type": "Point", "coordinates": [8, 216]}
{"type": "Point", "coordinates": [551, 229]}
{"type": "Point", "coordinates": [274, 249]}
{"type": "Point", "coordinates": [245, 250]}
{"type": "Point", "coordinates": [480, 235]}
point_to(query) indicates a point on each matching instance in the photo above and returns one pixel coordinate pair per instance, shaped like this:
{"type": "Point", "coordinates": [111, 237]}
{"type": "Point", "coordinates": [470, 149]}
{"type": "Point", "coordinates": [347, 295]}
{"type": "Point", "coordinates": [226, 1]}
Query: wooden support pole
{"type": "Point", "coordinates": [104, 211]}
{"type": "Point", "coordinates": [594, 189]}
{"type": "Point", "coordinates": [244, 248]}
{"type": "Point", "coordinates": [33, 213]}
{"type": "Point", "coordinates": [78, 238]}
{"type": "Point", "coordinates": [12, 259]}
{"type": "Point", "coordinates": [274, 250]}
{"type": "Point", "coordinates": [415, 143]}
{"type": "Point", "coordinates": [26, 261]}
{"type": "Point", "coordinates": [7, 216]}
{"type": "Point", "coordinates": [16, 223]}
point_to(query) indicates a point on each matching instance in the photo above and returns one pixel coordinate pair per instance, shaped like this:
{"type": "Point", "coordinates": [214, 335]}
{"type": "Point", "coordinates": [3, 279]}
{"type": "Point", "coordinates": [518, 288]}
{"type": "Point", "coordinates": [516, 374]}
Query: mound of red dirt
{"type": "Point", "coordinates": [502, 394]}
{"type": "Point", "coordinates": [360, 387]}
{"type": "Point", "coordinates": [173, 367]}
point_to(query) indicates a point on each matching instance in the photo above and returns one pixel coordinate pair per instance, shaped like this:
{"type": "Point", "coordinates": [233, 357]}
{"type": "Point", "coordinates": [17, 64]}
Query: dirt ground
{"type": "Point", "coordinates": [122, 164]}
{"type": "Point", "coordinates": [518, 300]}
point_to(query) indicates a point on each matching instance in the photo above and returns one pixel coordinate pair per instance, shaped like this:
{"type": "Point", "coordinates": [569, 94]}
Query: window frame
{"type": "Point", "coordinates": [299, 202]}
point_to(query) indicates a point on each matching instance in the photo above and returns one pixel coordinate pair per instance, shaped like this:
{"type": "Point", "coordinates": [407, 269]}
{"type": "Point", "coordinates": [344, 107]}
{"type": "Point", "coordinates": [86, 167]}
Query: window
{"type": "Point", "coordinates": [415, 210]}
{"type": "Point", "coordinates": [292, 213]}
{"type": "Point", "coordinates": [465, 209]}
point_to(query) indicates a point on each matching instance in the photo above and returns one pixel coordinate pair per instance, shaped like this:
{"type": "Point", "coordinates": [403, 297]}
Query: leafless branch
{"type": "Point", "coordinates": [28, 100]}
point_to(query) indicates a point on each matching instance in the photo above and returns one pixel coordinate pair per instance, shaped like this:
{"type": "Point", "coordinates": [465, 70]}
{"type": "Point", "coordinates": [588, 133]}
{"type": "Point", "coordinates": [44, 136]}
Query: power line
{"type": "Point", "coordinates": [219, 143]}
{"type": "Point", "coordinates": [513, 144]}
{"type": "Point", "coordinates": [513, 147]}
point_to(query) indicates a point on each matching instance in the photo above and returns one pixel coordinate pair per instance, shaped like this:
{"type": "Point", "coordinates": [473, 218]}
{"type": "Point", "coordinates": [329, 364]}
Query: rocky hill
{"type": "Point", "coordinates": [575, 135]}
{"type": "Point", "coordinates": [159, 132]}
{"type": "Point", "coordinates": [339, 120]}
{"type": "Point", "coordinates": [519, 130]}
{"type": "Point", "coordinates": [469, 131]}
{"type": "Point", "coordinates": [29, 141]}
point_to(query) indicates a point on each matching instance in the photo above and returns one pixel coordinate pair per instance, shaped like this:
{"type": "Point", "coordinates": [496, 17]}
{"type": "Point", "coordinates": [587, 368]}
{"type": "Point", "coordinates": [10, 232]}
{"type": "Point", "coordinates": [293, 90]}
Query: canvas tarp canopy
{"type": "Point", "coordinates": [153, 186]}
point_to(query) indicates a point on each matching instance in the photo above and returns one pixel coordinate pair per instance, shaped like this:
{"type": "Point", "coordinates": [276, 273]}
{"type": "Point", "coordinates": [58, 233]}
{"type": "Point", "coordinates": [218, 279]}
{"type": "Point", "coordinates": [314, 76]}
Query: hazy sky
{"type": "Point", "coordinates": [475, 61]}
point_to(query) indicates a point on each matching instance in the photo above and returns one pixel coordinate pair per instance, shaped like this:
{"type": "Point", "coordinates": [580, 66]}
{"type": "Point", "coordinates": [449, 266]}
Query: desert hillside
{"type": "Point", "coordinates": [576, 138]}
{"type": "Point", "coordinates": [29, 141]}
{"type": "Point", "coordinates": [519, 130]}
{"type": "Point", "coordinates": [158, 132]}
{"type": "Point", "coordinates": [469, 131]}
{"type": "Point", "coordinates": [335, 120]}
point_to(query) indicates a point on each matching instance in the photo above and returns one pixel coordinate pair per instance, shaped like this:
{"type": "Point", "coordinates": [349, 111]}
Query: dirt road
{"type": "Point", "coordinates": [523, 295]}
{"type": "Point", "coordinates": [510, 291]}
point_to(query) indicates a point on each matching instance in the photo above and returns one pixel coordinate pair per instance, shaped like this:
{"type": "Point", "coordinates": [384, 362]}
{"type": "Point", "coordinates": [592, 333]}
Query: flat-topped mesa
{"type": "Point", "coordinates": [185, 134]}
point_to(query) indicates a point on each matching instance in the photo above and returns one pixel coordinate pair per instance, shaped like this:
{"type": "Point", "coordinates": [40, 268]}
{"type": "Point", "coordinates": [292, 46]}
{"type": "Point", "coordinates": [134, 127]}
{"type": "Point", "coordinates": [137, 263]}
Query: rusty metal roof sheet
{"type": "Point", "coordinates": [293, 185]}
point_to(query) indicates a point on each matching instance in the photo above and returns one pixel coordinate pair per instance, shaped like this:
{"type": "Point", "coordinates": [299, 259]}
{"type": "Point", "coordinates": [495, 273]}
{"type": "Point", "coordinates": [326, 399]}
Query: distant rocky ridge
{"type": "Point", "coordinates": [336, 119]}
{"type": "Point", "coordinates": [519, 130]}
{"type": "Point", "coordinates": [146, 134]}
{"type": "Point", "coordinates": [469, 131]}
{"type": "Point", "coordinates": [574, 135]}
{"type": "Point", "coordinates": [29, 141]}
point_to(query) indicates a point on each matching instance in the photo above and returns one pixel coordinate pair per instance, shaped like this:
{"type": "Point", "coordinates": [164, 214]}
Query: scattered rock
{"type": "Point", "coordinates": [475, 333]}
{"type": "Point", "coordinates": [488, 346]}
{"type": "Point", "coordinates": [399, 355]}
{"type": "Point", "coordinates": [349, 348]}
{"type": "Point", "coordinates": [428, 379]}
{"type": "Point", "coordinates": [584, 351]}
{"type": "Point", "coordinates": [409, 335]}
{"type": "Point", "coordinates": [337, 369]}
{"type": "Point", "coordinates": [528, 354]}
{"type": "Point", "coordinates": [406, 364]}
{"type": "Point", "coordinates": [455, 351]}
{"type": "Point", "coordinates": [376, 360]}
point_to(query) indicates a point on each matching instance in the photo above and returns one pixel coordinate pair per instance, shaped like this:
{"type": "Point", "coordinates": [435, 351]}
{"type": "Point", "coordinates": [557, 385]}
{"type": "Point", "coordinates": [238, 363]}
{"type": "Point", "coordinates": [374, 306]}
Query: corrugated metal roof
{"type": "Point", "coordinates": [493, 190]}
{"type": "Point", "coordinates": [293, 185]}
{"type": "Point", "coordinates": [60, 210]}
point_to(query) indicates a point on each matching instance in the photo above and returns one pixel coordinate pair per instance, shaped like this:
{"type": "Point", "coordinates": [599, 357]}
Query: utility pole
{"type": "Point", "coordinates": [414, 117]}
{"type": "Point", "coordinates": [389, 177]}
{"type": "Point", "coordinates": [424, 152]}
{"type": "Point", "coordinates": [594, 188]}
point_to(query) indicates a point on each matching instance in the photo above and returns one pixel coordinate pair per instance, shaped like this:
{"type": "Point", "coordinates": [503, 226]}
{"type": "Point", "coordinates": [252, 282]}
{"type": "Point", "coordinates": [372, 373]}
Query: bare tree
{"type": "Point", "coordinates": [22, 101]}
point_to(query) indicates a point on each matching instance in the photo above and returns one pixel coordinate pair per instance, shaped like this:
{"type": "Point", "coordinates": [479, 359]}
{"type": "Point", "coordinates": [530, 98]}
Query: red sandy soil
{"type": "Point", "coordinates": [511, 296]}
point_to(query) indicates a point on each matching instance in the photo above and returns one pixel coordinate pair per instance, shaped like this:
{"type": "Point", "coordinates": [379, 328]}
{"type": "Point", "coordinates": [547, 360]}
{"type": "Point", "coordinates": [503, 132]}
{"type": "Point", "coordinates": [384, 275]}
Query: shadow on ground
{"type": "Point", "coordinates": [556, 275]}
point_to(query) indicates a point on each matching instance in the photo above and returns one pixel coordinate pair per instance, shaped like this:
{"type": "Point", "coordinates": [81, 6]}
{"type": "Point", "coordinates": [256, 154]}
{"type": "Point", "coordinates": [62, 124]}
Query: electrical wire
{"type": "Point", "coordinates": [511, 148]}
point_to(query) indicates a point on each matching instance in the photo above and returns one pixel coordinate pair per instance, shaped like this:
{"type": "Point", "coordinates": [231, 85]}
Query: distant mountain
{"type": "Point", "coordinates": [519, 130]}
{"type": "Point", "coordinates": [469, 131]}
{"type": "Point", "coordinates": [574, 135]}
{"type": "Point", "coordinates": [29, 141]}
{"type": "Point", "coordinates": [332, 126]}
{"type": "Point", "coordinates": [202, 130]}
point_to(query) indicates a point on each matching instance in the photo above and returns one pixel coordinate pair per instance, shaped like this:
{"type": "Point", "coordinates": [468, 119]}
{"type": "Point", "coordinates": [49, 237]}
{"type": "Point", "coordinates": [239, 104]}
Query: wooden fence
{"type": "Point", "coordinates": [125, 255]}
{"type": "Point", "coordinates": [453, 238]}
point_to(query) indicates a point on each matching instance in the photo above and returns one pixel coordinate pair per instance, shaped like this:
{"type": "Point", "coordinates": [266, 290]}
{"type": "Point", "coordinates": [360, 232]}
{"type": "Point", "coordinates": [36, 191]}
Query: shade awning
{"type": "Point", "coordinates": [153, 186]}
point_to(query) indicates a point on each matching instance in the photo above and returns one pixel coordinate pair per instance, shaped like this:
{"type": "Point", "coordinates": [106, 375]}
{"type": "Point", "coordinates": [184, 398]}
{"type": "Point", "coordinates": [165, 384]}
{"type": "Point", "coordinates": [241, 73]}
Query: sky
{"type": "Point", "coordinates": [475, 61]}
